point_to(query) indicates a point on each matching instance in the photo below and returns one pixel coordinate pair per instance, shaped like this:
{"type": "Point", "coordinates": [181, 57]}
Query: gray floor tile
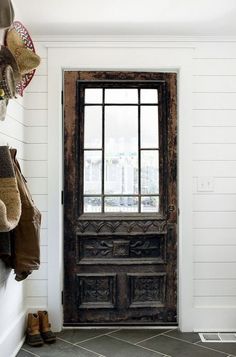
{"type": "Point", "coordinates": [134, 336]}
{"type": "Point", "coordinates": [23, 353]}
{"type": "Point", "coordinates": [185, 336]}
{"type": "Point", "coordinates": [60, 349]}
{"type": "Point", "coordinates": [81, 335]}
{"type": "Point", "coordinates": [229, 348]}
{"type": "Point", "coordinates": [177, 348]}
{"type": "Point", "coordinates": [111, 347]}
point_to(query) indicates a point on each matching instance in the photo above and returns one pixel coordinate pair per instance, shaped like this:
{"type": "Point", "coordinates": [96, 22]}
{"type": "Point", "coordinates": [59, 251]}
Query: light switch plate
{"type": "Point", "coordinates": [205, 184]}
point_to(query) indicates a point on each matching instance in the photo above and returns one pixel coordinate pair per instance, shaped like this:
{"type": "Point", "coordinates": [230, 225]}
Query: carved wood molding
{"type": "Point", "coordinates": [122, 226]}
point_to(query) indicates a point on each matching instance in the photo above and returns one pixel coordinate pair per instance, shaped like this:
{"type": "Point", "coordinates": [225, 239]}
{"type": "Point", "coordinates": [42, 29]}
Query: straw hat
{"type": "Point", "coordinates": [7, 58]}
{"type": "Point", "coordinates": [21, 46]}
{"type": "Point", "coordinates": [10, 203]}
{"type": "Point", "coordinates": [6, 14]}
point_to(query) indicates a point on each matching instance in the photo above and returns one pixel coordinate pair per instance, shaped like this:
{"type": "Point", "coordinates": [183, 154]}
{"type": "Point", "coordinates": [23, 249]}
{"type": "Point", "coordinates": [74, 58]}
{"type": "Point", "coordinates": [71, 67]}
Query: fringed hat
{"type": "Point", "coordinates": [21, 46]}
{"type": "Point", "coordinates": [10, 203]}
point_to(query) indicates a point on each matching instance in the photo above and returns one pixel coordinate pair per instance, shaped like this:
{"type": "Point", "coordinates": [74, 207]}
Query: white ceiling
{"type": "Point", "coordinates": [128, 17]}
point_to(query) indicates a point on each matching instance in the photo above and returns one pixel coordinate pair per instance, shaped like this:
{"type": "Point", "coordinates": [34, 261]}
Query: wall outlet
{"type": "Point", "coordinates": [205, 184]}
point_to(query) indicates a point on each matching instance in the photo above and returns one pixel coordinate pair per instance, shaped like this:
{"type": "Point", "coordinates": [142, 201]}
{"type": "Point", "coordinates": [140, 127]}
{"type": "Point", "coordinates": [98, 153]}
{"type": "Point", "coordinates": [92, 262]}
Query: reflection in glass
{"type": "Point", "coordinates": [149, 96]}
{"type": "Point", "coordinates": [92, 204]}
{"type": "Point", "coordinates": [121, 204]}
{"type": "Point", "coordinates": [92, 172]}
{"type": "Point", "coordinates": [121, 150]}
{"type": "Point", "coordinates": [149, 127]}
{"type": "Point", "coordinates": [124, 95]}
{"type": "Point", "coordinates": [149, 171]}
{"type": "Point", "coordinates": [150, 204]}
{"type": "Point", "coordinates": [93, 95]}
{"type": "Point", "coordinates": [93, 127]}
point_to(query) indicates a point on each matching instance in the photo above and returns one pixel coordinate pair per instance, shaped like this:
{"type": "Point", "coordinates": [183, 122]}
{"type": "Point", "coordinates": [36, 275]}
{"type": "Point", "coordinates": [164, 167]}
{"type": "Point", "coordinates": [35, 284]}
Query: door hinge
{"type": "Point", "coordinates": [62, 97]}
{"type": "Point", "coordinates": [62, 197]}
{"type": "Point", "coordinates": [62, 297]}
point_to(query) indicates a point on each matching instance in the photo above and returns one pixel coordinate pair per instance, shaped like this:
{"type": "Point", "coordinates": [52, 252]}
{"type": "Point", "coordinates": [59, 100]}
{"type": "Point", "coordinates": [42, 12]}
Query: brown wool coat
{"type": "Point", "coordinates": [26, 245]}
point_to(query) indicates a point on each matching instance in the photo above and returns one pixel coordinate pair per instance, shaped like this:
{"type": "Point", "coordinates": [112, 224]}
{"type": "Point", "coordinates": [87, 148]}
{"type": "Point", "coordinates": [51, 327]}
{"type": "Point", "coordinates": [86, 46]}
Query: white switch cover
{"type": "Point", "coordinates": [205, 184]}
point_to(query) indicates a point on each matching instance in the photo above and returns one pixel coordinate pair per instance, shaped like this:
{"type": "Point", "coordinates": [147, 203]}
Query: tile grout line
{"type": "Point", "coordinates": [33, 354]}
{"type": "Point", "coordinates": [91, 338]}
{"type": "Point", "coordinates": [209, 348]}
{"type": "Point", "coordinates": [86, 349]}
{"type": "Point", "coordinates": [146, 339]}
{"type": "Point", "coordinates": [145, 348]}
{"type": "Point", "coordinates": [196, 343]}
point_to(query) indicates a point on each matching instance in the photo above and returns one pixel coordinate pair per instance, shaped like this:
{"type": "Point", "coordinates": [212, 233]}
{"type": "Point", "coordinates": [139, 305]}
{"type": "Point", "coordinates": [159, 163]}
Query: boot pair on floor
{"type": "Point", "coordinates": [39, 329]}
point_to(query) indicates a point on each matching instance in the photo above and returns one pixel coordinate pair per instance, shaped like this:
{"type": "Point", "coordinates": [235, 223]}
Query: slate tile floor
{"type": "Point", "coordinates": [126, 342]}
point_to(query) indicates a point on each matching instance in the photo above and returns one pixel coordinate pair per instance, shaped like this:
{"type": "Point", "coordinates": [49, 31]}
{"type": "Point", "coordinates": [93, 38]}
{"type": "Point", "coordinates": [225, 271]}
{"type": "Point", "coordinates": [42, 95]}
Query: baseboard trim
{"type": "Point", "coordinates": [13, 336]}
{"type": "Point", "coordinates": [214, 319]}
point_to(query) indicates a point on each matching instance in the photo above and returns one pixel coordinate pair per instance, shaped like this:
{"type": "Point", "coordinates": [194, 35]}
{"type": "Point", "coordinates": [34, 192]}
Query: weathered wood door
{"type": "Point", "coordinates": [120, 201]}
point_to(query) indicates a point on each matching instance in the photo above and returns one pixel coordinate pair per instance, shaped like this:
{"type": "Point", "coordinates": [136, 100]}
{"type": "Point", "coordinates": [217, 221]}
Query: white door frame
{"type": "Point", "coordinates": [114, 55]}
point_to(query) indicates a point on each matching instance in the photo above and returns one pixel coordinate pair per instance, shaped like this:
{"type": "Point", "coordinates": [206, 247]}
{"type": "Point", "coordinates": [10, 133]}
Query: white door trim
{"type": "Point", "coordinates": [141, 58]}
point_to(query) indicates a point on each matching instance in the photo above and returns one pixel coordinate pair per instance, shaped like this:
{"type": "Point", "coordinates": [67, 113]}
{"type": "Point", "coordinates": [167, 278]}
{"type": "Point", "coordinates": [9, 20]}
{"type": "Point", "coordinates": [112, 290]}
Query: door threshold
{"type": "Point", "coordinates": [109, 327]}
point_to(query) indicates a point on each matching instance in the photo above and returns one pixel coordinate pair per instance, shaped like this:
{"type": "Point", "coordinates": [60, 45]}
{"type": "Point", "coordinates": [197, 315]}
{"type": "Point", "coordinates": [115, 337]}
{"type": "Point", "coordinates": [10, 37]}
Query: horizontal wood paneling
{"type": "Point", "coordinates": [42, 70]}
{"type": "Point", "coordinates": [214, 134]}
{"type": "Point", "coordinates": [214, 117]}
{"type": "Point", "coordinates": [38, 185]}
{"type": "Point", "coordinates": [34, 117]}
{"type": "Point", "coordinates": [207, 202]}
{"type": "Point", "coordinates": [215, 66]}
{"type": "Point", "coordinates": [36, 169]}
{"type": "Point", "coordinates": [38, 85]}
{"type": "Point", "coordinates": [214, 152]}
{"type": "Point", "coordinates": [36, 135]}
{"type": "Point", "coordinates": [36, 152]}
{"type": "Point", "coordinates": [214, 220]}
{"type": "Point", "coordinates": [214, 83]}
{"type": "Point", "coordinates": [215, 271]}
{"type": "Point", "coordinates": [221, 287]}
{"type": "Point", "coordinates": [215, 236]}
{"type": "Point", "coordinates": [36, 288]}
{"type": "Point", "coordinates": [215, 254]}
{"type": "Point", "coordinates": [214, 168]}
{"type": "Point", "coordinates": [41, 274]}
{"type": "Point", "coordinates": [36, 100]}
{"type": "Point", "coordinates": [215, 301]}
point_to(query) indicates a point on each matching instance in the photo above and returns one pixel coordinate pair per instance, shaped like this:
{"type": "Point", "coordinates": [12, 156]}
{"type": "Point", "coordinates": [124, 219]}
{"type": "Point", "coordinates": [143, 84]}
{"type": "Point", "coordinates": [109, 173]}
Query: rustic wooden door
{"type": "Point", "coordinates": [120, 200]}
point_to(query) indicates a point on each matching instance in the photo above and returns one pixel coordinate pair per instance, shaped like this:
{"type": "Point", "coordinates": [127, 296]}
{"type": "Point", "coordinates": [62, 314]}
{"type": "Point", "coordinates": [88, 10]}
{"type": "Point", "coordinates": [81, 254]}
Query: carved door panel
{"type": "Point", "coordinates": [120, 200]}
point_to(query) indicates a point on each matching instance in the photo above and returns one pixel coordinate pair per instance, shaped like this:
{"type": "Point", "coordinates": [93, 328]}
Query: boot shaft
{"type": "Point", "coordinates": [33, 326]}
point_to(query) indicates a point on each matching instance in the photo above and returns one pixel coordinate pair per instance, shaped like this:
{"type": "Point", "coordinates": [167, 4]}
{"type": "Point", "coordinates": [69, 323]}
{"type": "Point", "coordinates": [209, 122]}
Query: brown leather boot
{"type": "Point", "coordinates": [33, 337]}
{"type": "Point", "coordinates": [45, 327]}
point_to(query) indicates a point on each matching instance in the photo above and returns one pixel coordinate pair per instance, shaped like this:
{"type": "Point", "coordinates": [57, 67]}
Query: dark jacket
{"type": "Point", "coordinates": [26, 245]}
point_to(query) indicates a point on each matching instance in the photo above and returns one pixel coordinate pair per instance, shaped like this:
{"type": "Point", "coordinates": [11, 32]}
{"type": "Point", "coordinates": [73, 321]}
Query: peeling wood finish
{"type": "Point", "coordinates": [111, 275]}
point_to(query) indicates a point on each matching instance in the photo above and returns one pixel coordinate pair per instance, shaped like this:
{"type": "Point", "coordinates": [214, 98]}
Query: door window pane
{"type": "Point", "coordinates": [92, 204]}
{"type": "Point", "coordinates": [92, 172]}
{"type": "Point", "coordinates": [149, 127]}
{"type": "Point", "coordinates": [93, 95]}
{"type": "Point", "coordinates": [93, 127]}
{"type": "Point", "coordinates": [121, 150]}
{"type": "Point", "coordinates": [150, 204]}
{"type": "Point", "coordinates": [149, 96]}
{"type": "Point", "coordinates": [121, 204]}
{"type": "Point", "coordinates": [149, 172]}
{"type": "Point", "coordinates": [121, 96]}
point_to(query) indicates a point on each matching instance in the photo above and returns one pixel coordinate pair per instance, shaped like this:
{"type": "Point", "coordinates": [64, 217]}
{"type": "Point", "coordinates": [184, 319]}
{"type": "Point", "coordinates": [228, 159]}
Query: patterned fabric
{"type": "Point", "coordinates": [23, 33]}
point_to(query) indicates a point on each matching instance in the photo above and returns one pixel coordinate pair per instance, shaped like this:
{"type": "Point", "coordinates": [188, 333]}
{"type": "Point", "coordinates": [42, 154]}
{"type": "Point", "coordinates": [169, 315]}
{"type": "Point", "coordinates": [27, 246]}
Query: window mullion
{"type": "Point", "coordinates": [103, 147]}
{"type": "Point", "coordinates": [139, 154]}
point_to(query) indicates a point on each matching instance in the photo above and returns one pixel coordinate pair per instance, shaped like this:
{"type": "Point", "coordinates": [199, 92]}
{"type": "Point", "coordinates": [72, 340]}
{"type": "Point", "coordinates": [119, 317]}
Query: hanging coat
{"type": "Point", "coordinates": [26, 245]}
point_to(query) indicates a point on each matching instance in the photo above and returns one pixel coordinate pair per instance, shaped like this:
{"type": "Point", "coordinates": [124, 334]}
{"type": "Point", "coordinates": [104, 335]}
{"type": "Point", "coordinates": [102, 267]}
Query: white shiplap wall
{"type": "Point", "coordinates": [12, 293]}
{"type": "Point", "coordinates": [214, 155]}
{"type": "Point", "coordinates": [35, 101]}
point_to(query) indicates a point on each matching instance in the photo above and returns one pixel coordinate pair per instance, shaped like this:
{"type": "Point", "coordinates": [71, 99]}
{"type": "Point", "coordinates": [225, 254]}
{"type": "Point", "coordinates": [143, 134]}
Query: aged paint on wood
{"type": "Point", "coordinates": [120, 269]}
